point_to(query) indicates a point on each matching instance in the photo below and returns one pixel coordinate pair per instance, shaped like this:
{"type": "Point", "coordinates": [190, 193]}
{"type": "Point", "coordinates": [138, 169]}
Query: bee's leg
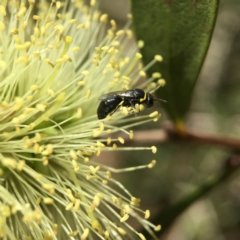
{"type": "Point", "coordinates": [114, 110]}
{"type": "Point", "coordinates": [133, 106]}
{"type": "Point", "coordinates": [119, 105]}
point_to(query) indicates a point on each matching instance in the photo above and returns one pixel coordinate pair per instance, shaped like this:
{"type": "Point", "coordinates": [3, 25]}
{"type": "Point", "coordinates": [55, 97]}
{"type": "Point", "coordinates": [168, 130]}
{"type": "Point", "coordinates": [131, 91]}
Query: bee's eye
{"type": "Point", "coordinates": [149, 101]}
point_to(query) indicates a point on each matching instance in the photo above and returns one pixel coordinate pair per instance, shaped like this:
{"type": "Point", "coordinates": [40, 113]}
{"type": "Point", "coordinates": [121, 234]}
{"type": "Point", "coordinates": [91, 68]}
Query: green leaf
{"type": "Point", "coordinates": [181, 32]}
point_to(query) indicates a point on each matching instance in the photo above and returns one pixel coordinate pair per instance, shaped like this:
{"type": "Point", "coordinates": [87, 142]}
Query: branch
{"type": "Point", "coordinates": [169, 133]}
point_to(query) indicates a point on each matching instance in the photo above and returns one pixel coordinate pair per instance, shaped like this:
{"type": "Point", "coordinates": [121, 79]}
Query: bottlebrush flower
{"type": "Point", "coordinates": [55, 61]}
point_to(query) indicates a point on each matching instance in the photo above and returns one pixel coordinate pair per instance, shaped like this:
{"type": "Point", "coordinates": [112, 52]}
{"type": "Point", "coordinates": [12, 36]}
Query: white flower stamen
{"type": "Point", "coordinates": [52, 74]}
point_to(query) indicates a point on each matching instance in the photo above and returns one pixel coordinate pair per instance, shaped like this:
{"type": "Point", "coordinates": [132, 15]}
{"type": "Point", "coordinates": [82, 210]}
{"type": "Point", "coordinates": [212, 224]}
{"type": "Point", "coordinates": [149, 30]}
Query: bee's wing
{"type": "Point", "coordinates": [110, 95]}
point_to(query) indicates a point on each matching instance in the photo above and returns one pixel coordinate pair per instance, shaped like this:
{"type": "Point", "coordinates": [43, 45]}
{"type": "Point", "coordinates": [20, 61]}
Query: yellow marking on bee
{"type": "Point", "coordinates": [143, 99]}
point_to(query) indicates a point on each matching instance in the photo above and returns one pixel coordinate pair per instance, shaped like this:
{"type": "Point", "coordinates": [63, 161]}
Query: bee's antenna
{"type": "Point", "coordinates": [159, 99]}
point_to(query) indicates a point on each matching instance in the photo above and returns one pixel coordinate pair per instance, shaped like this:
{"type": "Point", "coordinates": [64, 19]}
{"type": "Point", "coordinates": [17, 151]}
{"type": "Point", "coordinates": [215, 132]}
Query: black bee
{"type": "Point", "coordinates": [110, 102]}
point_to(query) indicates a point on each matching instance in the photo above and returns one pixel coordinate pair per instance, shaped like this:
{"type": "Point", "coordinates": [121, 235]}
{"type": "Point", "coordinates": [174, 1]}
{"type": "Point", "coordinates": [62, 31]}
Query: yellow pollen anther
{"type": "Point", "coordinates": [142, 74]}
{"type": "Point", "coordinates": [16, 120]}
{"type": "Point", "coordinates": [20, 166]}
{"type": "Point", "coordinates": [121, 140]}
{"type": "Point", "coordinates": [73, 234]}
{"type": "Point", "coordinates": [141, 236]}
{"type": "Point", "coordinates": [36, 17]}
{"type": "Point", "coordinates": [41, 107]}
{"type": "Point", "coordinates": [45, 153]}
{"type": "Point", "coordinates": [79, 113]}
{"type": "Point", "coordinates": [85, 72]}
{"type": "Point", "coordinates": [59, 28]}
{"type": "Point", "coordinates": [77, 205]}
{"type": "Point", "coordinates": [124, 218]}
{"type": "Point", "coordinates": [113, 24]}
{"type": "Point", "coordinates": [88, 94]}
{"type": "Point", "coordinates": [120, 32]}
{"type": "Point", "coordinates": [51, 92]}
{"type": "Point", "coordinates": [75, 49]}
{"type": "Point", "coordinates": [152, 164]}
{"type": "Point", "coordinates": [140, 44]}
{"type": "Point", "coordinates": [85, 234]}
{"type": "Point", "coordinates": [68, 39]}
{"type": "Point", "coordinates": [9, 162]}
{"type": "Point", "coordinates": [154, 149]}
{"type": "Point", "coordinates": [3, 64]}
{"type": "Point", "coordinates": [48, 187]}
{"type": "Point", "coordinates": [38, 137]}
{"type": "Point", "coordinates": [93, 3]}
{"type": "Point", "coordinates": [80, 26]}
{"type": "Point", "coordinates": [48, 25]}
{"type": "Point", "coordinates": [70, 195]}
{"type": "Point", "coordinates": [135, 200]}
{"type": "Point", "coordinates": [99, 144]}
{"type": "Point", "coordinates": [131, 135]}
{"type": "Point", "coordinates": [58, 4]}
{"type": "Point", "coordinates": [104, 18]}
{"type": "Point", "coordinates": [138, 55]}
{"type": "Point", "coordinates": [121, 231]}
{"type": "Point", "coordinates": [37, 32]}
{"type": "Point", "coordinates": [18, 130]}
{"type": "Point", "coordinates": [94, 170]}
{"type": "Point", "coordinates": [97, 132]}
{"type": "Point", "coordinates": [48, 200]}
{"type": "Point", "coordinates": [158, 58]}
{"type": "Point", "coordinates": [72, 21]}
{"type": "Point", "coordinates": [33, 39]}
{"type": "Point", "coordinates": [106, 235]}
{"type": "Point", "coordinates": [157, 228]}
{"type": "Point", "coordinates": [156, 118]}
{"type": "Point", "coordinates": [156, 75]}
{"type": "Point", "coordinates": [73, 155]}
{"type": "Point", "coordinates": [14, 31]}
{"type": "Point", "coordinates": [109, 175]}
{"type": "Point", "coordinates": [129, 33]}
{"type": "Point", "coordinates": [3, 10]}
{"type": "Point", "coordinates": [97, 199]}
{"type": "Point", "coordinates": [114, 146]}
{"type": "Point", "coordinates": [61, 97]}
{"type": "Point", "coordinates": [105, 182]}
{"type": "Point", "coordinates": [75, 166]}
{"type": "Point", "coordinates": [147, 214]}
{"type": "Point", "coordinates": [21, 12]}
{"type": "Point", "coordinates": [82, 83]}
{"type": "Point", "coordinates": [162, 82]}
{"type": "Point", "coordinates": [35, 87]}
{"type": "Point", "coordinates": [36, 148]}
{"type": "Point", "coordinates": [2, 26]}
{"type": "Point", "coordinates": [105, 48]}
{"type": "Point", "coordinates": [153, 114]}
{"type": "Point", "coordinates": [109, 140]}
{"type": "Point", "coordinates": [24, 46]}
{"type": "Point", "coordinates": [127, 79]}
{"type": "Point", "coordinates": [69, 206]}
{"type": "Point", "coordinates": [127, 208]}
{"type": "Point", "coordinates": [110, 51]}
{"type": "Point", "coordinates": [101, 126]}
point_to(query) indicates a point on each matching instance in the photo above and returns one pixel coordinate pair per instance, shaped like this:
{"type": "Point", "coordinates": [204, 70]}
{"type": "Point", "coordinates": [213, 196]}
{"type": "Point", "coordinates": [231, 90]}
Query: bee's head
{"type": "Point", "coordinates": [149, 100]}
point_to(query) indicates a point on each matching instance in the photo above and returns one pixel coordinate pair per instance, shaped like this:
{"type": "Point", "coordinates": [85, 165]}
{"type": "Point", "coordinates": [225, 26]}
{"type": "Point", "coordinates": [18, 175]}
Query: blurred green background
{"type": "Point", "coordinates": [183, 166]}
